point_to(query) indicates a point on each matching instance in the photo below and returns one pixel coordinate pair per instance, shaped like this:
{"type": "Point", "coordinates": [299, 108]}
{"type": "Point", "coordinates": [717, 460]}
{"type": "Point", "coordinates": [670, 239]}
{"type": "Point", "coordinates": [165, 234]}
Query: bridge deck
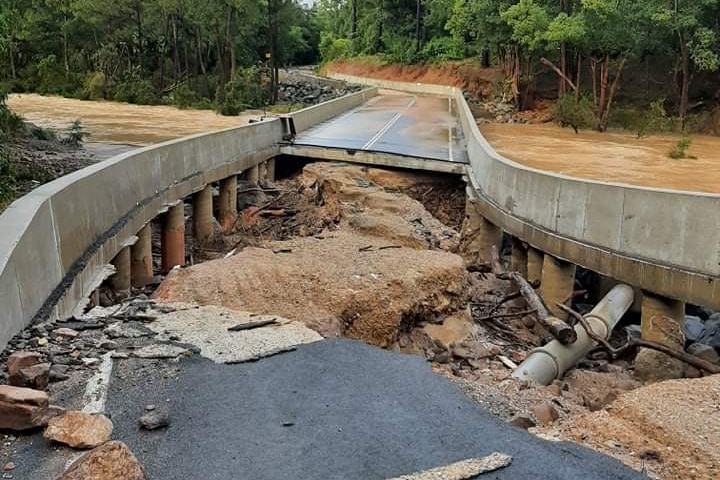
{"type": "Point", "coordinates": [394, 123]}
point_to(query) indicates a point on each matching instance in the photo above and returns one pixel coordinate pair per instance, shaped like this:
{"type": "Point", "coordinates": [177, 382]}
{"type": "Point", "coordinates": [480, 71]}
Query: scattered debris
{"type": "Point", "coordinates": [79, 430]}
{"type": "Point", "coordinates": [159, 350]}
{"type": "Point", "coordinates": [110, 461]}
{"type": "Point", "coordinates": [22, 408]}
{"type": "Point", "coordinates": [250, 325]}
{"type": "Point", "coordinates": [545, 413]}
{"type": "Point", "coordinates": [153, 420]}
{"type": "Point", "coordinates": [463, 470]}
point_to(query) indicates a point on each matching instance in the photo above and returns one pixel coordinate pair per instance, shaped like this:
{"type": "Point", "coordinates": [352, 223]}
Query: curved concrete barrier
{"type": "Point", "coordinates": [664, 241]}
{"type": "Point", "coordinates": [58, 240]}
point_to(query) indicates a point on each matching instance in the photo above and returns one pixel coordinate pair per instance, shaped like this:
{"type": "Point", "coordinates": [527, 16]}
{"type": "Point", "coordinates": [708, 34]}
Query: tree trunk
{"type": "Point", "coordinates": [139, 23]}
{"type": "Point", "coordinates": [563, 71]}
{"type": "Point", "coordinates": [176, 53]}
{"type": "Point", "coordinates": [418, 25]}
{"type": "Point", "coordinates": [11, 54]}
{"type": "Point", "coordinates": [593, 69]}
{"type": "Point", "coordinates": [230, 43]}
{"type": "Point", "coordinates": [199, 51]}
{"type": "Point", "coordinates": [354, 20]}
{"type": "Point", "coordinates": [684, 79]}
{"type": "Point", "coordinates": [272, 31]}
{"type": "Point", "coordinates": [605, 119]}
{"type": "Point", "coordinates": [378, 44]}
{"type": "Point", "coordinates": [66, 55]}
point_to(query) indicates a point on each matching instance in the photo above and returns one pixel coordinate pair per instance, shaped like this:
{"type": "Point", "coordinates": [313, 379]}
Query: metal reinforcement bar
{"type": "Point", "coordinates": [547, 363]}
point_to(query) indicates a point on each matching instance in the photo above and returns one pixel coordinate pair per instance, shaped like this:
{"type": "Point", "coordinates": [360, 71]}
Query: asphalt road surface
{"type": "Point", "coordinates": [334, 409]}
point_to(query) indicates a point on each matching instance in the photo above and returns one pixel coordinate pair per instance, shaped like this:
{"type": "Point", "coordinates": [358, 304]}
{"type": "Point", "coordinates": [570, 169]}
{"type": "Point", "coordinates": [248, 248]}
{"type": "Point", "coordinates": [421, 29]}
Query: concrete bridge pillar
{"type": "Point", "coordinates": [270, 170]}
{"type": "Point", "coordinates": [253, 174]}
{"type": "Point", "coordinates": [120, 280]}
{"type": "Point", "coordinates": [141, 264]}
{"type": "Point", "coordinates": [519, 257]}
{"type": "Point", "coordinates": [558, 283]}
{"type": "Point", "coordinates": [173, 238]}
{"type": "Point", "coordinates": [203, 221]}
{"type": "Point", "coordinates": [262, 171]}
{"type": "Point", "coordinates": [661, 322]}
{"type": "Point", "coordinates": [479, 236]}
{"type": "Point", "coordinates": [228, 202]}
{"type": "Point", "coordinates": [534, 264]}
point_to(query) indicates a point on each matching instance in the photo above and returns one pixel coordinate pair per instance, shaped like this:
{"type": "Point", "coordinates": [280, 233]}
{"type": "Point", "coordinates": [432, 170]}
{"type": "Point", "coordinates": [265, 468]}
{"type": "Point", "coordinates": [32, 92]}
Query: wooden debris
{"type": "Point", "coordinates": [252, 325]}
{"type": "Point", "coordinates": [688, 358]}
{"type": "Point", "coordinates": [558, 328]}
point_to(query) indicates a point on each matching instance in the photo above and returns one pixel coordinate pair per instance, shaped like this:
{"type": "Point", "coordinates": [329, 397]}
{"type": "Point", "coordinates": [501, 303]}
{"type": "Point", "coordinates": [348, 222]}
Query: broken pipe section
{"type": "Point", "coordinates": [547, 363]}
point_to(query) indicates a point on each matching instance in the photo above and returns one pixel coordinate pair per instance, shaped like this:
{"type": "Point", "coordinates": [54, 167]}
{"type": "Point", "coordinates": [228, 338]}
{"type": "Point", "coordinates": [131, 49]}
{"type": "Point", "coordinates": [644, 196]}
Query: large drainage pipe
{"type": "Point", "coordinates": [547, 363]}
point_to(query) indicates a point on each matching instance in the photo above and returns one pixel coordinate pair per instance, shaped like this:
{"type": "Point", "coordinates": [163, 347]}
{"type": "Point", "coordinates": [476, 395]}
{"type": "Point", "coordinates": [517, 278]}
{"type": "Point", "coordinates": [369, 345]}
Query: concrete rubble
{"type": "Point", "coordinates": [110, 461]}
{"type": "Point", "coordinates": [79, 430]}
{"type": "Point", "coordinates": [463, 470]}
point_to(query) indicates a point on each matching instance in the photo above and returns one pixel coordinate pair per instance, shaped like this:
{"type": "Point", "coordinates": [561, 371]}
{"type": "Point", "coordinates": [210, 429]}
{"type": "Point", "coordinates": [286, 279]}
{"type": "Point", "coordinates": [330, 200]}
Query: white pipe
{"type": "Point", "coordinates": [547, 363]}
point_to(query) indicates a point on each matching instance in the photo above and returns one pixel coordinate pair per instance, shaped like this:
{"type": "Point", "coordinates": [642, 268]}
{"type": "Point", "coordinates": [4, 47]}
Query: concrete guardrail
{"type": "Point", "coordinates": [58, 240]}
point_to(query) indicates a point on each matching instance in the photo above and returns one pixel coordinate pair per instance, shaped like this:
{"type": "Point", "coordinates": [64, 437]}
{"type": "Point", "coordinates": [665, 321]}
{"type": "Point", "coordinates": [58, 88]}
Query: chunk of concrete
{"type": "Point", "coordinates": [110, 461]}
{"type": "Point", "coordinates": [462, 470]}
{"type": "Point", "coordinates": [22, 408]}
{"type": "Point", "coordinates": [79, 430]}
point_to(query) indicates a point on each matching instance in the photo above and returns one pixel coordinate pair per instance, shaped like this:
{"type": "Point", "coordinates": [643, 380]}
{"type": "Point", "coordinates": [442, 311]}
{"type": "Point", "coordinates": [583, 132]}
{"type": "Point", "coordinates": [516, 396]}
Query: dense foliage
{"type": "Point", "coordinates": [226, 53]}
{"type": "Point", "coordinates": [589, 44]}
{"type": "Point", "coordinates": [150, 51]}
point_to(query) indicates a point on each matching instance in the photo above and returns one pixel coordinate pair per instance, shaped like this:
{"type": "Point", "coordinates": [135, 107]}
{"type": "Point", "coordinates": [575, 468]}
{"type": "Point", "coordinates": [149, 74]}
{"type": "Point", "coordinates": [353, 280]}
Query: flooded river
{"type": "Point", "coordinates": [121, 123]}
{"type": "Point", "coordinates": [612, 156]}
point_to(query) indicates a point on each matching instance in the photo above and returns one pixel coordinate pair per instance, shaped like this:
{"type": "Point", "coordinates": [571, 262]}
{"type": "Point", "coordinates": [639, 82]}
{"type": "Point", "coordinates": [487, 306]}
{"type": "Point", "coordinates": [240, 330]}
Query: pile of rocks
{"type": "Point", "coordinates": [306, 90]}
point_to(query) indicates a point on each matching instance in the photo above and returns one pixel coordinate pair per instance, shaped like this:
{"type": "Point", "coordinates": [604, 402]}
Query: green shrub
{"type": "Point", "coordinates": [247, 90]}
{"type": "Point", "coordinates": [441, 49]}
{"type": "Point", "coordinates": [95, 86]}
{"type": "Point", "coordinates": [681, 148]}
{"type": "Point", "coordinates": [75, 135]}
{"type": "Point", "coordinates": [7, 180]}
{"type": "Point", "coordinates": [402, 50]}
{"type": "Point", "coordinates": [332, 48]}
{"type": "Point", "coordinates": [132, 88]}
{"type": "Point", "coordinates": [574, 112]}
{"type": "Point", "coordinates": [182, 96]}
{"type": "Point", "coordinates": [10, 123]}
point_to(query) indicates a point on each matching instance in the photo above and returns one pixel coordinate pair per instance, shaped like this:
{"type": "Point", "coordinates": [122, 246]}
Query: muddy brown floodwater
{"type": "Point", "coordinates": [122, 123]}
{"type": "Point", "coordinates": [611, 156]}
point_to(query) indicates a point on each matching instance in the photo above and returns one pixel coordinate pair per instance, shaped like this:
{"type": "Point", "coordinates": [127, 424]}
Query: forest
{"type": "Point", "coordinates": [226, 53]}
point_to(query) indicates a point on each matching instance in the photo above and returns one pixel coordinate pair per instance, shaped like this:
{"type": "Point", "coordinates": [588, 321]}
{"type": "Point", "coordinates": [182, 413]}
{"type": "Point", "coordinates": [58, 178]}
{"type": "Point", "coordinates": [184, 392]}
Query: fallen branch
{"type": "Point", "coordinates": [688, 358]}
{"type": "Point", "coordinates": [252, 325]}
{"type": "Point", "coordinates": [505, 315]}
{"type": "Point", "coordinates": [559, 329]}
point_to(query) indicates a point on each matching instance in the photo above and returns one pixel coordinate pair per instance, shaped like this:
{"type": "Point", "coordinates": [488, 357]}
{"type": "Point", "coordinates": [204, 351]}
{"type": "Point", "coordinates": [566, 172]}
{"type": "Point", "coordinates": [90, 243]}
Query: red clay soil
{"type": "Point", "coordinates": [478, 81]}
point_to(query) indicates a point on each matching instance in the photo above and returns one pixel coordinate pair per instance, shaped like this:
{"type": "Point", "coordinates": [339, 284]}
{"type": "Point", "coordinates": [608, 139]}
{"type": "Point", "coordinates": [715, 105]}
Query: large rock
{"type": "Point", "coordinates": [79, 430]}
{"type": "Point", "coordinates": [654, 366]}
{"type": "Point", "coordinates": [711, 335]}
{"type": "Point", "coordinates": [19, 360]}
{"type": "Point", "coordinates": [22, 408]}
{"type": "Point", "coordinates": [110, 461]}
{"type": "Point", "coordinates": [706, 352]}
{"type": "Point", "coordinates": [36, 376]}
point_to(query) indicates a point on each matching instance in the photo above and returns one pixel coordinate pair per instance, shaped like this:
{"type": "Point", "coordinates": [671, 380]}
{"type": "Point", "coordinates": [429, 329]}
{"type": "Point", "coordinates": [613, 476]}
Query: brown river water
{"type": "Point", "coordinates": [614, 156]}
{"type": "Point", "coordinates": [121, 123]}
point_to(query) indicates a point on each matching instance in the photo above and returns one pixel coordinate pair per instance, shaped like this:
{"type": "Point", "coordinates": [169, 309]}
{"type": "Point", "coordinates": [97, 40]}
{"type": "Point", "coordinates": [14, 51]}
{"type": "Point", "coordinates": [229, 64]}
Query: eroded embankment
{"type": "Point", "coordinates": [381, 267]}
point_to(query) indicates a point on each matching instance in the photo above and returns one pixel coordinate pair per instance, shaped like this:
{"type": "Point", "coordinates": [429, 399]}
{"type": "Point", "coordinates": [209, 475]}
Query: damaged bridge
{"type": "Point", "coordinates": [330, 408]}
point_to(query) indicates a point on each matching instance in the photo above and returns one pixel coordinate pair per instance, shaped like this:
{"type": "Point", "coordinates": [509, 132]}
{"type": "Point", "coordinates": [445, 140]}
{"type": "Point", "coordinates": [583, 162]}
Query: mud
{"type": "Point", "coordinates": [612, 156]}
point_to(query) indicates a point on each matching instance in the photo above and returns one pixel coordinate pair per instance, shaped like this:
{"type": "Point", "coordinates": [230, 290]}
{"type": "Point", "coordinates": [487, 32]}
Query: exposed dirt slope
{"type": "Point", "coordinates": [477, 81]}
{"type": "Point", "coordinates": [672, 428]}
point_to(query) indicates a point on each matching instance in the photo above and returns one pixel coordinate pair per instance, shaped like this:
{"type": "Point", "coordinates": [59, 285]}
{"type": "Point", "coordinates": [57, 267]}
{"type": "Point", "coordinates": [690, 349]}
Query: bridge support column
{"type": "Point", "coordinates": [479, 236]}
{"type": "Point", "coordinates": [534, 264]}
{"type": "Point", "coordinates": [173, 238]}
{"type": "Point", "coordinates": [661, 322]}
{"type": "Point", "coordinates": [558, 283]}
{"type": "Point", "coordinates": [270, 170]}
{"type": "Point", "coordinates": [120, 280]}
{"type": "Point", "coordinates": [262, 171]}
{"type": "Point", "coordinates": [203, 221]}
{"type": "Point", "coordinates": [253, 174]}
{"type": "Point", "coordinates": [519, 257]}
{"type": "Point", "coordinates": [228, 202]}
{"type": "Point", "coordinates": [141, 264]}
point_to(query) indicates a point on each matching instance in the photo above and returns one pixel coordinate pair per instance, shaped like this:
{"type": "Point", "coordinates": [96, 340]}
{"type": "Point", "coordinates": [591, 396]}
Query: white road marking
{"type": "Point", "coordinates": [97, 387]}
{"type": "Point", "coordinates": [388, 125]}
{"type": "Point", "coordinates": [382, 132]}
